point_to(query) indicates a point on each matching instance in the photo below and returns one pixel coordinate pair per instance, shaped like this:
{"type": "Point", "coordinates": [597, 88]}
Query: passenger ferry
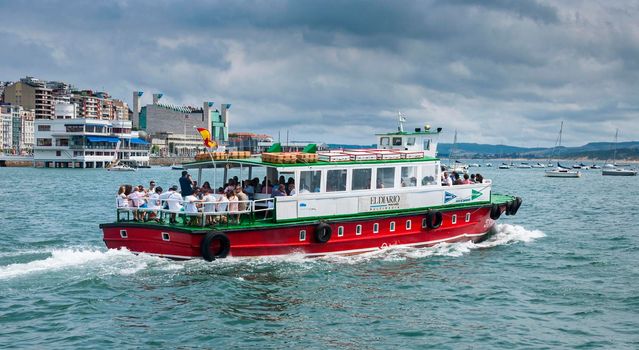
{"type": "Point", "coordinates": [346, 202]}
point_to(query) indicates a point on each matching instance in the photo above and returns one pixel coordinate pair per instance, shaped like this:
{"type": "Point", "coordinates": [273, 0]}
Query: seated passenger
{"type": "Point", "coordinates": [280, 191]}
{"type": "Point", "coordinates": [208, 205]}
{"type": "Point", "coordinates": [222, 201]}
{"type": "Point", "coordinates": [154, 203]}
{"type": "Point", "coordinates": [380, 184]}
{"type": "Point", "coordinates": [466, 180]}
{"type": "Point", "coordinates": [174, 202]}
{"type": "Point", "coordinates": [121, 200]}
{"type": "Point", "coordinates": [291, 189]}
{"type": "Point", "coordinates": [445, 179]}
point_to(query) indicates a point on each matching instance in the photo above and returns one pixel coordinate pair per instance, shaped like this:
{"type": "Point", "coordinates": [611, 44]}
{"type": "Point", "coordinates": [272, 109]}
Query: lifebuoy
{"type": "Point", "coordinates": [434, 219]}
{"type": "Point", "coordinates": [323, 232]}
{"type": "Point", "coordinates": [495, 212]}
{"type": "Point", "coordinates": [515, 205]}
{"type": "Point", "coordinates": [220, 249]}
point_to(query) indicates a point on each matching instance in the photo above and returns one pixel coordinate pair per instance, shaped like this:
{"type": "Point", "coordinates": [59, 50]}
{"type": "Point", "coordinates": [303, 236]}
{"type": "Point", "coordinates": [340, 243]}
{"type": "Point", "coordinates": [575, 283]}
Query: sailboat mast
{"type": "Point", "coordinates": [614, 153]}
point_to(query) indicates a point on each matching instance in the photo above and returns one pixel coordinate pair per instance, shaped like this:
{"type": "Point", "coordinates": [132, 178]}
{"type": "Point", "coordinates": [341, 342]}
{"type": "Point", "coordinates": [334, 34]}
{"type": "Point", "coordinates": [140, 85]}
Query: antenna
{"type": "Point", "coordinates": [401, 119]}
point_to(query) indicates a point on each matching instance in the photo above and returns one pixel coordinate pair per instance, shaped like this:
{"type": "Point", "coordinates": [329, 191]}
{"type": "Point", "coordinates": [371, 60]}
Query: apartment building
{"type": "Point", "coordinates": [31, 93]}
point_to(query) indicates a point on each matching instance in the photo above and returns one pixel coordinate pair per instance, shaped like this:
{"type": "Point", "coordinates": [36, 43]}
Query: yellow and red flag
{"type": "Point", "coordinates": [206, 136]}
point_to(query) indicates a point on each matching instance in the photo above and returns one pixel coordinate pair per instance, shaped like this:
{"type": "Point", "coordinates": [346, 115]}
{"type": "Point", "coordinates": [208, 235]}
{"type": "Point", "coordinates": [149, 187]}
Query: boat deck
{"type": "Point", "coordinates": [252, 222]}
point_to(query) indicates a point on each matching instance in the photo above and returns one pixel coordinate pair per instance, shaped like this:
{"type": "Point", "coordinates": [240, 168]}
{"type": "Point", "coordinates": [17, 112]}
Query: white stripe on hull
{"type": "Point", "coordinates": [341, 252]}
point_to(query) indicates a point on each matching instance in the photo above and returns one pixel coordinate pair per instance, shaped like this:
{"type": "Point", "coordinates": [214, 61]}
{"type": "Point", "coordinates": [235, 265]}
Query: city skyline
{"type": "Point", "coordinates": [498, 72]}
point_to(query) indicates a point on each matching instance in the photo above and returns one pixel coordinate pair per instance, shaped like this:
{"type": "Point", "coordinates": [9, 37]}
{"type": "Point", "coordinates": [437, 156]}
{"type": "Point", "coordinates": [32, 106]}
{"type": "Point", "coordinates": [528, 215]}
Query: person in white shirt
{"type": "Point", "coordinates": [174, 202]}
{"type": "Point", "coordinates": [154, 203]}
{"type": "Point", "coordinates": [121, 200]}
{"type": "Point", "coordinates": [208, 207]}
{"type": "Point", "coordinates": [190, 206]}
{"type": "Point", "coordinates": [222, 205]}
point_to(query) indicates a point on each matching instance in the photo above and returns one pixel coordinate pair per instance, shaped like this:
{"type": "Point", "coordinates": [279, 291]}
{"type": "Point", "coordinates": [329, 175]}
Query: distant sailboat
{"type": "Point", "coordinates": [561, 171]}
{"type": "Point", "coordinates": [613, 169]}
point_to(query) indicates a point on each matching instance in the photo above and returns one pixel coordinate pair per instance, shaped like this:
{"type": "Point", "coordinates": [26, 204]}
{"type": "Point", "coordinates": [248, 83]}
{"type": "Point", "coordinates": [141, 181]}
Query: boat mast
{"type": "Point", "coordinates": [614, 153]}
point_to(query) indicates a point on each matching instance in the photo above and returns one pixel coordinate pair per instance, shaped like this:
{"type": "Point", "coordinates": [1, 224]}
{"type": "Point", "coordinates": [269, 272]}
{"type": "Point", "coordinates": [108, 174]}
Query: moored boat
{"type": "Point", "coordinates": [614, 170]}
{"type": "Point", "coordinates": [344, 202]}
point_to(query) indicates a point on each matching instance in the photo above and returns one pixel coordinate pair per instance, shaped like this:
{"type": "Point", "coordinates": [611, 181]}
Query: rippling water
{"type": "Point", "coordinates": [561, 273]}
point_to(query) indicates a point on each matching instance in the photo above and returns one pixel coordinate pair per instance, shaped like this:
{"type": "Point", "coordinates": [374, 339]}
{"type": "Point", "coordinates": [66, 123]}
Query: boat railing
{"type": "Point", "coordinates": [208, 212]}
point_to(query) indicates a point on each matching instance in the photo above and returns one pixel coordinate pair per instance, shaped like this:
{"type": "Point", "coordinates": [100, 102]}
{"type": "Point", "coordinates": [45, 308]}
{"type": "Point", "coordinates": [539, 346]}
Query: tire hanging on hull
{"type": "Point", "coordinates": [434, 219]}
{"type": "Point", "coordinates": [323, 232]}
{"type": "Point", "coordinates": [495, 211]}
{"type": "Point", "coordinates": [222, 251]}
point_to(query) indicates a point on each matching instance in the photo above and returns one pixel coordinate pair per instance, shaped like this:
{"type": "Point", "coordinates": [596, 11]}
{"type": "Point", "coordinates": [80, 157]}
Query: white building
{"type": "Point", "coordinates": [65, 110]}
{"type": "Point", "coordinates": [6, 128]}
{"type": "Point", "coordinates": [87, 143]}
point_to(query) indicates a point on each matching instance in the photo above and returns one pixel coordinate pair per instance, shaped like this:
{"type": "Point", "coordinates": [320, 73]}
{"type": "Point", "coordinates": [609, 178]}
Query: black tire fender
{"type": "Point", "coordinates": [323, 232]}
{"type": "Point", "coordinates": [205, 246]}
{"type": "Point", "coordinates": [495, 211]}
{"type": "Point", "coordinates": [516, 204]}
{"type": "Point", "coordinates": [434, 219]}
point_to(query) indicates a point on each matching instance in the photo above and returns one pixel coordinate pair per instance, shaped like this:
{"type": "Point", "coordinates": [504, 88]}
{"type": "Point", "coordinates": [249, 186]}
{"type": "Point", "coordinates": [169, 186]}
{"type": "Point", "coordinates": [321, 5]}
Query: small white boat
{"type": "Point", "coordinates": [177, 167]}
{"type": "Point", "coordinates": [489, 165]}
{"type": "Point", "coordinates": [538, 165]}
{"type": "Point", "coordinates": [504, 166]}
{"type": "Point", "coordinates": [121, 167]}
{"type": "Point", "coordinates": [561, 171]}
{"type": "Point", "coordinates": [595, 166]}
{"type": "Point", "coordinates": [474, 165]}
{"type": "Point", "coordinates": [524, 166]}
{"type": "Point", "coordinates": [614, 170]}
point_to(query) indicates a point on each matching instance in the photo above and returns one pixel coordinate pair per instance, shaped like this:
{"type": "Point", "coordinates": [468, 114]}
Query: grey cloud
{"type": "Point", "coordinates": [487, 68]}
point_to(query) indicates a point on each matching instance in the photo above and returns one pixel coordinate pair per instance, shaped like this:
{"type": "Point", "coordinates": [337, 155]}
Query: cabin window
{"type": "Point", "coordinates": [410, 141]}
{"type": "Point", "coordinates": [123, 234]}
{"type": "Point", "coordinates": [310, 181]}
{"type": "Point", "coordinates": [288, 177]}
{"type": "Point", "coordinates": [336, 180]}
{"type": "Point", "coordinates": [375, 227]}
{"type": "Point", "coordinates": [384, 141]}
{"type": "Point", "coordinates": [358, 230]}
{"type": "Point", "coordinates": [340, 231]}
{"type": "Point", "coordinates": [392, 226]}
{"type": "Point", "coordinates": [385, 177]}
{"type": "Point", "coordinates": [429, 175]}
{"type": "Point", "coordinates": [361, 179]}
{"type": "Point", "coordinates": [409, 224]}
{"type": "Point", "coordinates": [397, 141]}
{"type": "Point", "coordinates": [302, 235]}
{"type": "Point", "coordinates": [426, 144]}
{"type": "Point", "coordinates": [454, 219]}
{"type": "Point", "coordinates": [409, 176]}
{"type": "Point", "coordinates": [467, 217]}
{"type": "Point", "coordinates": [165, 236]}
{"type": "Point", "coordinates": [424, 225]}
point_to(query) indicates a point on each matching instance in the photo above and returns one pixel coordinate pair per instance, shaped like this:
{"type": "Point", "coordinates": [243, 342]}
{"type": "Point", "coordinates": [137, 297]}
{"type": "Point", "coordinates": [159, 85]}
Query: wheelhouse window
{"type": "Point", "coordinates": [409, 176]}
{"type": "Point", "coordinates": [336, 180]}
{"type": "Point", "coordinates": [410, 141]}
{"type": "Point", "coordinates": [426, 144]}
{"type": "Point", "coordinates": [429, 174]}
{"type": "Point", "coordinates": [385, 178]}
{"type": "Point", "coordinates": [310, 181]}
{"type": "Point", "coordinates": [397, 141]}
{"type": "Point", "coordinates": [384, 141]}
{"type": "Point", "coordinates": [361, 179]}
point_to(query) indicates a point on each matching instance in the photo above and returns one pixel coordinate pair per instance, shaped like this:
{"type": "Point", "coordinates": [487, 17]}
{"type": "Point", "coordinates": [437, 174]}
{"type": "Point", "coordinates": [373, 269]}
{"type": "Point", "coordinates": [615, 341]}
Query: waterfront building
{"type": "Point", "coordinates": [16, 133]}
{"type": "Point", "coordinates": [99, 105]}
{"type": "Point", "coordinates": [87, 143]}
{"type": "Point", "coordinates": [31, 93]}
{"type": "Point", "coordinates": [161, 119]}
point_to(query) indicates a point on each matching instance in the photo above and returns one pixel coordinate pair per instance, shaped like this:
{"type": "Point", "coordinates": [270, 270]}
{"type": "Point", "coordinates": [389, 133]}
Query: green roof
{"type": "Point", "coordinates": [398, 133]}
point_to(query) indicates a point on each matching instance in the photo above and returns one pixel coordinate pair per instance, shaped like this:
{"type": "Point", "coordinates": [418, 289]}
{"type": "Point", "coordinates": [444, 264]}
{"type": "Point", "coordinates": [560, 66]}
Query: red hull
{"type": "Point", "coordinates": [185, 243]}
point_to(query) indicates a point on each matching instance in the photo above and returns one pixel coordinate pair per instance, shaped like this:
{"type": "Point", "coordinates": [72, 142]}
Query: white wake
{"type": "Point", "coordinates": [123, 262]}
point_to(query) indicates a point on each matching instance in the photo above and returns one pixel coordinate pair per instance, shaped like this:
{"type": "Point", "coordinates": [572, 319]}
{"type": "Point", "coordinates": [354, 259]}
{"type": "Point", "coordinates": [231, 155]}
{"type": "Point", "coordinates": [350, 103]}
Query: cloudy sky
{"type": "Point", "coordinates": [498, 71]}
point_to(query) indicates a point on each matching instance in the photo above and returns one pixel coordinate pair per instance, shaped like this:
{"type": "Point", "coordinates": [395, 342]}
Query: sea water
{"type": "Point", "coordinates": [562, 273]}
